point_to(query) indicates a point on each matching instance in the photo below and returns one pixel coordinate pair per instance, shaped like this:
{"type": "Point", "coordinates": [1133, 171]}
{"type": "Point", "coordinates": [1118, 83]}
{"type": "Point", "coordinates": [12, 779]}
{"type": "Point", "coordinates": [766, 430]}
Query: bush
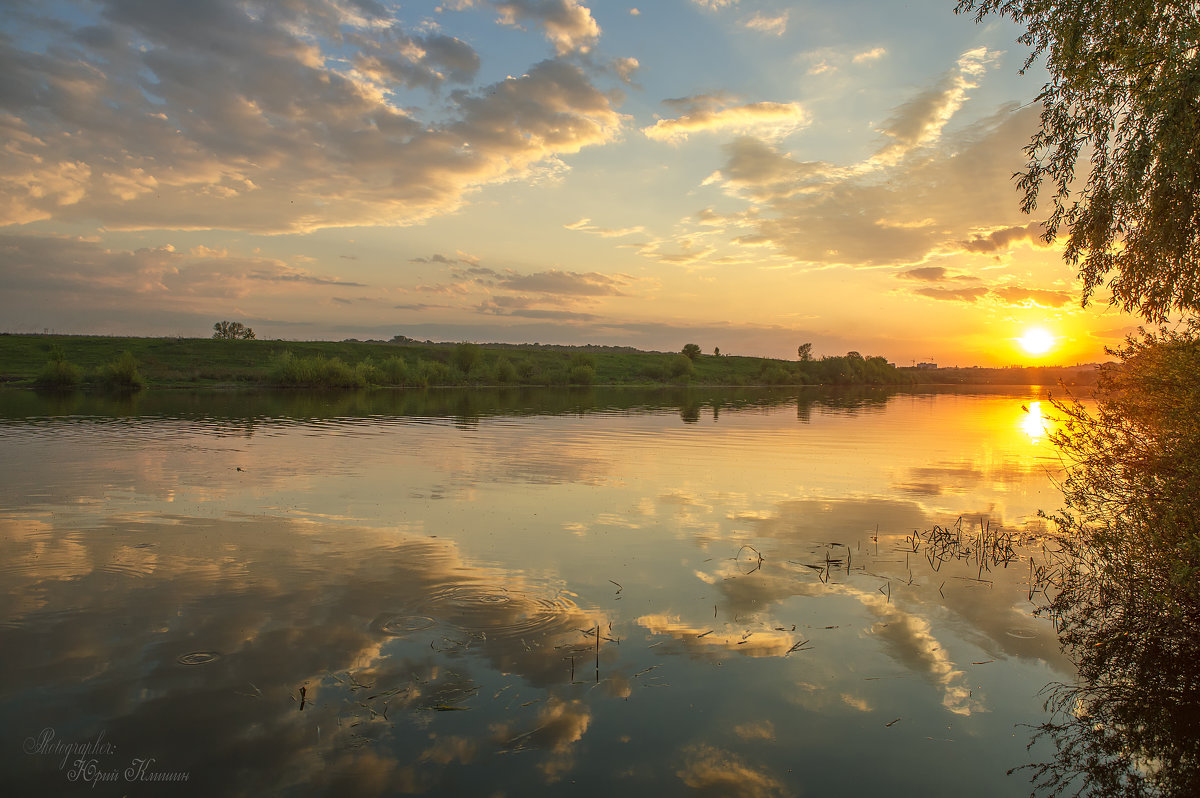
{"type": "Point", "coordinates": [528, 371]}
{"type": "Point", "coordinates": [653, 371]}
{"type": "Point", "coordinates": [466, 356]}
{"type": "Point", "coordinates": [681, 366]}
{"type": "Point", "coordinates": [58, 375]}
{"type": "Point", "coordinates": [430, 372]}
{"type": "Point", "coordinates": [366, 373]}
{"type": "Point", "coordinates": [289, 371]}
{"type": "Point", "coordinates": [581, 375]}
{"type": "Point", "coordinates": [1132, 485]}
{"type": "Point", "coordinates": [776, 375]}
{"type": "Point", "coordinates": [121, 374]}
{"type": "Point", "coordinates": [394, 371]}
{"type": "Point", "coordinates": [506, 372]}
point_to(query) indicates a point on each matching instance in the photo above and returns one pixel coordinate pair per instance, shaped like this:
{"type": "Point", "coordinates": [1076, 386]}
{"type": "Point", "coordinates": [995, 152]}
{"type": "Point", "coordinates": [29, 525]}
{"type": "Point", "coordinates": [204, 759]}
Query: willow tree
{"type": "Point", "coordinates": [1121, 108]}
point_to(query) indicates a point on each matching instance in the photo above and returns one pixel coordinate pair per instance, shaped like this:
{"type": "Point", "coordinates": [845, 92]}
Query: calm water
{"type": "Point", "coordinates": [520, 593]}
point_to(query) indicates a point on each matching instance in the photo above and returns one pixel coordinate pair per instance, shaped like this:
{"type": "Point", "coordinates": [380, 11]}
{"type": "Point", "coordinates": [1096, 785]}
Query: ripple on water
{"type": "Point", "coordinates": [198, 658]}
{"type": "Point", "coordinates": [498, 612]}
{"type": "Point", "coordinates": [403, 625]}
{"type": "Point", "coordinates": [1021, 634]}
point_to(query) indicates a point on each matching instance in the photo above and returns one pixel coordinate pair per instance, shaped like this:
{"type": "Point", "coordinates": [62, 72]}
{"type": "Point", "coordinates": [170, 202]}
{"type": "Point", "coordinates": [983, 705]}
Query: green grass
{"type": "Point", "coordinates": [205, 362]}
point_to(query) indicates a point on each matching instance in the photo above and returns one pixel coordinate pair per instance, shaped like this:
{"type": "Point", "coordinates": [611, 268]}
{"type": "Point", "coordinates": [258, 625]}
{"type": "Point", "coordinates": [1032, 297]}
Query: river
{"type": "Point", "coordinates": [734, 593]}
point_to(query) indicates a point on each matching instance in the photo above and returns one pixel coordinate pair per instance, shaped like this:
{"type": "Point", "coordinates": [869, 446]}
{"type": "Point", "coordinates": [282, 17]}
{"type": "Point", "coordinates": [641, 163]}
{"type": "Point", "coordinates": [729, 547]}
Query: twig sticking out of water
{"type": "Point", "coordinates": [798, 646]}
{"type": "Point", "coordinates": [758, 564]}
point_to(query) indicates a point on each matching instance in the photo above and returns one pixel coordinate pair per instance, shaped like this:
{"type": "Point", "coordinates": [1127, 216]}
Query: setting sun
{"type": "Point", "coordinates": [1036, 341]}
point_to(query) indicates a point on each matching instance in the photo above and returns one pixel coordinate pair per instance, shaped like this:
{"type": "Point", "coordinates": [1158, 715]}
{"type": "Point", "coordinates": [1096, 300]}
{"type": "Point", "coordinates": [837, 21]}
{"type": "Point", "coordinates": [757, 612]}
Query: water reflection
{"type": "Point", "coordinates": [1121, 582]}
{"type": "Point", "coordinates": [465, 406]}
{"type": "Point", "coordinates": [265, 620]}
{"type": "Point", "coordinates": [567, 590]}
{"type": "Point", "coordinates": [1035, 423]}
{"type": "Point", "coordinates": [1130, 725]}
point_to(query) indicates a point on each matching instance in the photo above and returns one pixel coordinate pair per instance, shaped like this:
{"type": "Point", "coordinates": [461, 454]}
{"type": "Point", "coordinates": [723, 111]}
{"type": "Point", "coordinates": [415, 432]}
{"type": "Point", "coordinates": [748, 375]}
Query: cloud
{"type": "Point", "coordinates": [586, 226]}
{"type": "Point", "coordinates": [686, 251]}
{"type": "Point", "coordinates": [755, 730]}
{"type": "Point", "coordinates": [920, 121]}
{"type": "Point", "coordinates": [715, 5]}
{"type": "Point", "coordinates": [931, 274]}
{"type": "Point", "coordinates": [568, 25]}
{"type": "Point", "coordinates": [869, 55]}
{"type": "Point", "coordinates": [762, 642]}
{"type": "Point", "coordinates": [1015, 295]}
{"type": "Point", "coordinates": [970, 294]}
{"type": "Point", "coordinates": [625, 68]}
{"type": "Point", "coordinates": [392, 57]}
{"type": "Point", "coordinates": [1006, 237]}
{"type": "Point", "coordinates": [909, 639]}
{"type": "Point", "coordinates": [941, 284]}
{"type": "Point", "coordinates": [87, 281]}
{"type": "Point", "coordinates": [521, 307]}
{"type": "Point", "coordinates": [825, 60]}
{"type": "Point", "coordinates": [243, 121]}
{"type": "Point", "coordinates": [717, 772]}
{"type": "Point", "coordinates": [437, 258]}
{"type": "Point", "coordinates": [878, 211]}
{"type": "Point", "coordinates": [706, 113]}
{"type": "Point", "coordinates": [569, 283]}
{"type": "Point", "coordinates": [763, 23]}
{"type": "Point", "coordinates": [283, 274]}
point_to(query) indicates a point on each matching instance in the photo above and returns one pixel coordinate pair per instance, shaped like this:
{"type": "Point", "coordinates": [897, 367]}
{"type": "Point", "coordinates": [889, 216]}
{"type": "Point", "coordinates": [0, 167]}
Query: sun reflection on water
{"type": "Point", "coordinates": [1033, 422]}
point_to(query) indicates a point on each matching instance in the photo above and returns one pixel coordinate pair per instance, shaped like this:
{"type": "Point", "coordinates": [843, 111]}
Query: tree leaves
{"type": "Point", "coordinates": [1121, 108]}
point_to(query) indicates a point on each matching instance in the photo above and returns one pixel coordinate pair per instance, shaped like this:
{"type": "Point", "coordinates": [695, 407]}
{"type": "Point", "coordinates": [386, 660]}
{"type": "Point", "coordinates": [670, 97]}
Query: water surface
{"type": "Point", "coordinates": [523, 592]}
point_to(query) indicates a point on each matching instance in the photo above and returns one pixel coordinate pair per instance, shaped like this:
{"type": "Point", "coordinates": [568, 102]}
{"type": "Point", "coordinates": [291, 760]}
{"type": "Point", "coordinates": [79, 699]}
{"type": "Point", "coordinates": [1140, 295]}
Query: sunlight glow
{"type": "Point", "coordinates": [1037, 341]}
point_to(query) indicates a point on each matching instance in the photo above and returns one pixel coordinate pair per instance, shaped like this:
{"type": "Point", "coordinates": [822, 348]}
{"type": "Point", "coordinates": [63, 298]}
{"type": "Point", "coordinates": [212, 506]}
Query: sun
{"type": "Point", "coordinates": [1037, 341]}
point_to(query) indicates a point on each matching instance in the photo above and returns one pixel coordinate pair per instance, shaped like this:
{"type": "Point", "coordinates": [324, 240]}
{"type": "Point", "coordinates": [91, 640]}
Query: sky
{"type": "Point", "coordinates": [732, 173]}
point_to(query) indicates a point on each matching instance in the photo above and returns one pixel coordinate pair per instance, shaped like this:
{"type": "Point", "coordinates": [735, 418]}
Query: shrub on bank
{"type": "Point", "coordinates": [681, 366]}
{"type": "Point", "coordinates": [581, 375]}
{"type": "Point", "coordinates": [506, 372]}
{"type": "Point", "coordinates": [394, 371]}
{"type": "Point", "coordinates": [289, 371]}
{"type": "Point", "coordinates": [58, 375]}
{"type": "Point", "coordinates": [121, 374]}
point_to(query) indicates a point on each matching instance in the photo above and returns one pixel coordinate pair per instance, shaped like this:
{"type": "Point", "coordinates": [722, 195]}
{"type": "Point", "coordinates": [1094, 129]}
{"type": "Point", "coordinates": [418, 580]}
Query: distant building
{"type": "Point", "coordinates": [927, 365]}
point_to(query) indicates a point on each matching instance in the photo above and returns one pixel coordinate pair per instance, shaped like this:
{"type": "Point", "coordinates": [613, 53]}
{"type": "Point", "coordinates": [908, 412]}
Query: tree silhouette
{"type": "Point", "coordinates": [232, 331]}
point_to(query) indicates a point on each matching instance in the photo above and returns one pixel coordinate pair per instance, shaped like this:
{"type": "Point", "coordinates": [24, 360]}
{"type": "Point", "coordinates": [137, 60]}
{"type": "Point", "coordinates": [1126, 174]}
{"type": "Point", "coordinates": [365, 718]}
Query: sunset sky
{"type": "Point", "coordinates": [735, 173]}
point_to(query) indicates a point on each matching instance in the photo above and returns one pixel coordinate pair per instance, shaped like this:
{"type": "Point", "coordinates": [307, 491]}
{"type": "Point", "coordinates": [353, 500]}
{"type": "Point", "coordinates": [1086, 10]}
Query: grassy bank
{"type": "Point", "coordinates": [65, 361]}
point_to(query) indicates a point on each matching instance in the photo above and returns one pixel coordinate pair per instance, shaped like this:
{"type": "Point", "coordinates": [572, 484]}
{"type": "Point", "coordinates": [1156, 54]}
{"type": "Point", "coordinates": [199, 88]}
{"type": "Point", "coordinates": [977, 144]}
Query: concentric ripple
{"type": "Point", "coordinates": [498, 612]}
{"type": "Point", "coordinates": [403, 625]}
{"type": "Point", "coordinates": [198, 658]}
